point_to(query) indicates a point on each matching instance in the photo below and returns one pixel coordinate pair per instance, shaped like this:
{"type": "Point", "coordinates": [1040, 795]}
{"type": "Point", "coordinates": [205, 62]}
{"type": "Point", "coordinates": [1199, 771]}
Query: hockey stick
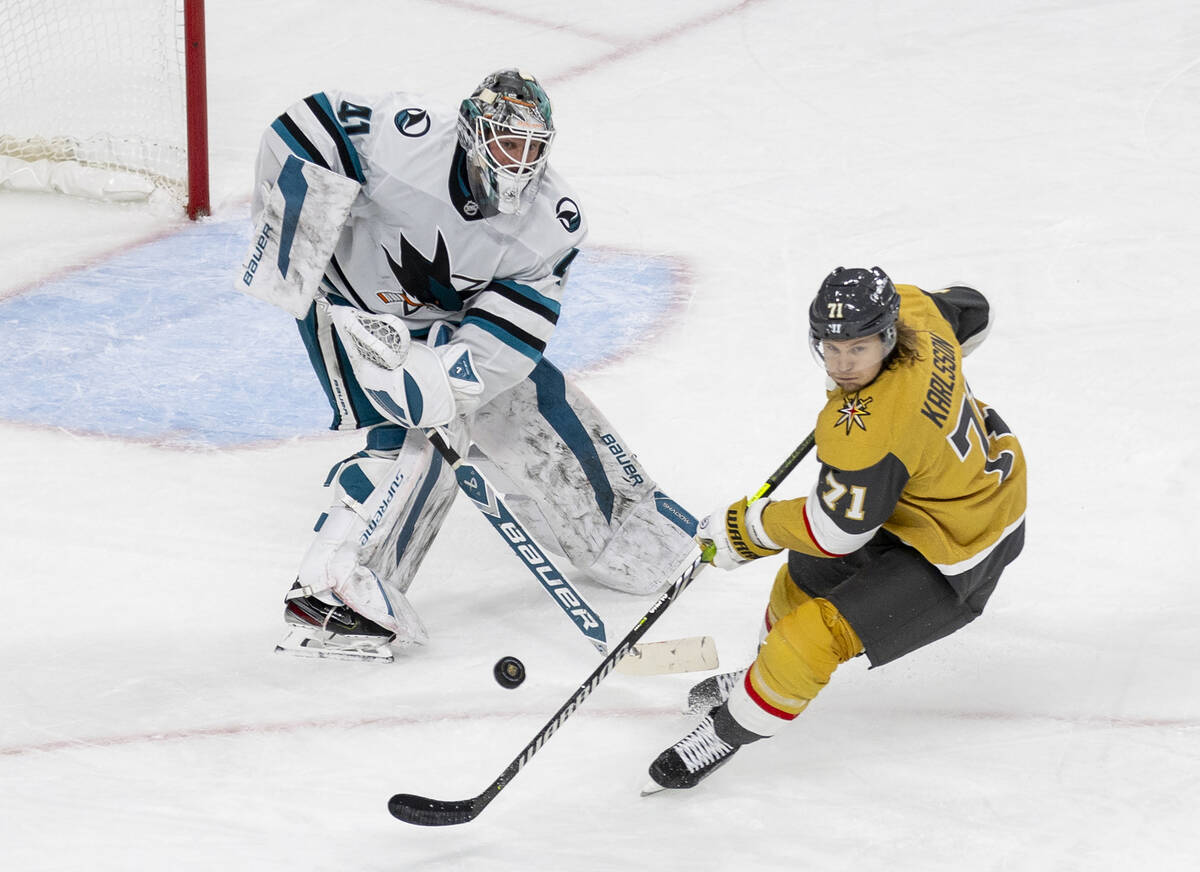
{"type": "Point", "coordinates": [671, 656]}
{"type": "Point", "coordinates": [690, 654]}
{"type": "Point", "coordinates": [485, 497]}
{"type": "Point", "coordinates": [435, 812]}
{"type": "Point", "coordinates": [378, 342]}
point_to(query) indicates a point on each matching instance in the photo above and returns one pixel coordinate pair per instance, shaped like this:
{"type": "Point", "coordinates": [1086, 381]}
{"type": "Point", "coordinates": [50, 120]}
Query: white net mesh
{"type": "Point", "coordinates": [369, 353]}
{"type": "Point", "coordinates": [392, 347]}
{"type": "Point", "coordinates": [100, 82]}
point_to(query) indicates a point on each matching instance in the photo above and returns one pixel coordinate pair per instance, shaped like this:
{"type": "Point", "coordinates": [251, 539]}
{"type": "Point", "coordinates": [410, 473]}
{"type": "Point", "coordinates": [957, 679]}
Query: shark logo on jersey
{"type": "Point", "coordinates": [427, 281]}
{"type": "Point", "coordinates": [568, 215]}
{"type": "Point", "coordinates": [412, 122]}
{"type": "Point", "coordinates": [853, 413]}
{"type": "Point", "coordinates": [424, 281]}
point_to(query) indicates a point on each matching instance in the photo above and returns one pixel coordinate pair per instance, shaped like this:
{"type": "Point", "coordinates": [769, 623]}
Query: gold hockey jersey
{"type": "Point", "coordinates": [915, 453]}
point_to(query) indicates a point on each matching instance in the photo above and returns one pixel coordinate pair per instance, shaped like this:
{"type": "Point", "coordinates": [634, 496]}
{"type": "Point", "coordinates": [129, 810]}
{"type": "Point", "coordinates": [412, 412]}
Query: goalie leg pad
{"type": "Point", "coordinates": [387, 508]}
{"type": "Point", "coordinates": [605, 512]}
{"type": "Point", "coordinates": [331, 569]}
{"type": "Point", "coordinates": [647, 548]}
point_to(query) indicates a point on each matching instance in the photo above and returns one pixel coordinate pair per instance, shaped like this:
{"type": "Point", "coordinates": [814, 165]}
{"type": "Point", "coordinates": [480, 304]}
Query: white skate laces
{"type": "Point", "coordinates": [702, 747]}
{"type": "Point", "coordinates": [690, 760]}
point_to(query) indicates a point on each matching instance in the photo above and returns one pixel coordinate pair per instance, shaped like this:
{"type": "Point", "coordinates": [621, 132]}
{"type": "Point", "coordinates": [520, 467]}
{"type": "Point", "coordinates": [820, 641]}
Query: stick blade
{"type": "Point", "coordinates": [693, 654]}
{"type": "Point", "coordinates": [426, 812]}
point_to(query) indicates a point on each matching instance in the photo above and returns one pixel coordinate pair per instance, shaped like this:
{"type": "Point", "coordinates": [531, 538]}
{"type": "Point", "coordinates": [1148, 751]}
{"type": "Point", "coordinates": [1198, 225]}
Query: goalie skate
{"type": "Point", "coordinates": [321, 630]}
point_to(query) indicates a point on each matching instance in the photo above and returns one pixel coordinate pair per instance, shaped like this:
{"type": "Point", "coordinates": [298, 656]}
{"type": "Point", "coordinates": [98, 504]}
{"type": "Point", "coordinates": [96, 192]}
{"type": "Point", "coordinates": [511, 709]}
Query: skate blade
{"type": "Point", "coordinates": [652, 787]}
{"type": "Point", "coordinates": [298, 642]}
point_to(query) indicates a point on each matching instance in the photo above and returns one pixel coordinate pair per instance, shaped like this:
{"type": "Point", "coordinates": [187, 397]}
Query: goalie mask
{"type": "Point", "coordinates": [505, 127]}
{"type": "Point", "coordinates": [852, 304]}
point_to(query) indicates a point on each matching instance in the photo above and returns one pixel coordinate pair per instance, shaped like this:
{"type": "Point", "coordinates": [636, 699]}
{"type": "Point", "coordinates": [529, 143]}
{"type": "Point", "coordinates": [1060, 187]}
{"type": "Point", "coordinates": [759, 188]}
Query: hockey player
{"type": "Point", "coordinates": [918, 507]}
{"type": "Point", "coordinates": [454, 227]}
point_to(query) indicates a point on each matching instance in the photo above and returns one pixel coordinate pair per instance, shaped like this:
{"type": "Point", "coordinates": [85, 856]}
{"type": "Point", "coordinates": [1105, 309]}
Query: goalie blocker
{"type": "Point", "coordinates": [295, 234]}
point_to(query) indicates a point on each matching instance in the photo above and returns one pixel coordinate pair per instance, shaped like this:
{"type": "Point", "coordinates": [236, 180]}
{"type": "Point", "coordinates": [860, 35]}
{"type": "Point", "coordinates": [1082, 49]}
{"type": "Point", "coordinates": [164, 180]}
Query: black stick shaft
{"type": "Point", "coordinates": [432, 812]}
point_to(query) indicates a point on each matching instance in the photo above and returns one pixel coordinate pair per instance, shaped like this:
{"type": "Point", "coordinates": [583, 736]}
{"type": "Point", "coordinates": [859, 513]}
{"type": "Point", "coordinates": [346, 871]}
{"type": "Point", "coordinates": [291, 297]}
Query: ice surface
{"type": "Point", "coordinates": [1044, 152]}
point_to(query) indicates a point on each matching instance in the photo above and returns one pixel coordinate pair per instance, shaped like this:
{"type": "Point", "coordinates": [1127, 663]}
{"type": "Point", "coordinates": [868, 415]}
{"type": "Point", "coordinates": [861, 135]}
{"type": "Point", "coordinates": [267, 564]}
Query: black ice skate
{"type": "Point", "coordinates": [713, 691]}
{"type": "Point", "coordinates": [319, 629]}
{"type": "Point", "coordinates": [698, 754]}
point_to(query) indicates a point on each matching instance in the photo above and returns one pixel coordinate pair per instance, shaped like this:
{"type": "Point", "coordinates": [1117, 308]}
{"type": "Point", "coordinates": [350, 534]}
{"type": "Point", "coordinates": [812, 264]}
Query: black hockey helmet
{"type": "Point", "coordinates": [853, 303]}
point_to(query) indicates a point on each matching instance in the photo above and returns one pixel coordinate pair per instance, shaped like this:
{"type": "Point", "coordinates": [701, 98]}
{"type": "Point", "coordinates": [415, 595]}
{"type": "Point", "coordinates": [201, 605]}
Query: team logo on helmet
{"type": "Point", "coordinates": [412, 122]}
{"type": "Point", "coordinates": [568, 214]}
{"type": "Point", "coordinates": [853, 413]}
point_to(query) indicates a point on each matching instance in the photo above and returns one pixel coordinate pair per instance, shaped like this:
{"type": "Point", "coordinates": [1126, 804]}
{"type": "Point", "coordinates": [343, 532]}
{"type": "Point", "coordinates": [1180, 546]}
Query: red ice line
{"type": "Point", "coordinates": [398, 721]}
{"type": "Point", "coordinates": [524, 19]}
{"type": "Point", "coordinates": [295, 726]}
{"type": "Point", "coordinates": [621, 51]}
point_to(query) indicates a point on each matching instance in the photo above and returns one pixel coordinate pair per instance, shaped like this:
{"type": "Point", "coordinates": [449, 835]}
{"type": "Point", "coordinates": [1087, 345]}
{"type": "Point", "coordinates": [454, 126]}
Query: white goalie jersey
{"type": "Point", "coordinates": [367, 202]}
{"type": "Point", "coordinates": [416, 245]}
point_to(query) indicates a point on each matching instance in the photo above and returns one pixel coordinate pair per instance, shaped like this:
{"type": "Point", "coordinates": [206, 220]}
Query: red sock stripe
{"type": "Point", "coordinates": [763, 704]}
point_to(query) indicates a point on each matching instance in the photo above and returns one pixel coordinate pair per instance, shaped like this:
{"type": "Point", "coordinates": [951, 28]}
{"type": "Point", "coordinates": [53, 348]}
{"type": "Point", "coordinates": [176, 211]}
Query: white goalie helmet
{"type": "Point", "coordinates": [506, 128]}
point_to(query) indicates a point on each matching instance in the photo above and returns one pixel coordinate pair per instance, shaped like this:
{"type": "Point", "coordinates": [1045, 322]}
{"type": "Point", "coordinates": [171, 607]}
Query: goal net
{"type": "Point", "coordinates": [104, 99]}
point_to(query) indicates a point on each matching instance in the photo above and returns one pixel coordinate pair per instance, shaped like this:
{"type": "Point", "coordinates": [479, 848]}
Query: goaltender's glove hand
{"type": "Point", "coordinates": [736, 533]}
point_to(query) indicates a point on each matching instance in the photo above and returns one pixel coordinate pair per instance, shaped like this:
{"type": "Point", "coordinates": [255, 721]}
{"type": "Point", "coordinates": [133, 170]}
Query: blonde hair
{"type": "Point", "coordinates": [908, 346]}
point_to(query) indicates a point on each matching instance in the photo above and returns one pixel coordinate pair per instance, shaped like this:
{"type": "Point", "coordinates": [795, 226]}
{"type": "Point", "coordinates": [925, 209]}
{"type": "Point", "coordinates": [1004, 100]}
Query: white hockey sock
{"type": "Point", "coordinates": [750, 715]}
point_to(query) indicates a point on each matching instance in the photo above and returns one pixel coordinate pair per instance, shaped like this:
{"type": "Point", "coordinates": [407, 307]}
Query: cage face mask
{"type": "Point", "coordinates": [506, 129]}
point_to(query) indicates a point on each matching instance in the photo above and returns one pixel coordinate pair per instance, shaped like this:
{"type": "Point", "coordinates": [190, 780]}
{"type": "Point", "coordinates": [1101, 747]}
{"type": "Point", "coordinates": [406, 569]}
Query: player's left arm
{"type": "Point", "coordinates": [844, 510]}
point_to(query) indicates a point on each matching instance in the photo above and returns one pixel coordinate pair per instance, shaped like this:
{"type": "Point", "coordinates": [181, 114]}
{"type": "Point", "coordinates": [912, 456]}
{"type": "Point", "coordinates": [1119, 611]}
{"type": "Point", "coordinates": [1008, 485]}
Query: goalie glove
{"type": "Point", "coordinates": [737, 534]}
{"type": "Point", "coordinates": [406, 381]}
{"type": "Point", "coordinates": [413, 384]}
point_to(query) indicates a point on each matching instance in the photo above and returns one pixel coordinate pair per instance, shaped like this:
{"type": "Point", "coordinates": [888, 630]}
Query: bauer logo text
{"type": "Point", "coordinates": [260, 245]}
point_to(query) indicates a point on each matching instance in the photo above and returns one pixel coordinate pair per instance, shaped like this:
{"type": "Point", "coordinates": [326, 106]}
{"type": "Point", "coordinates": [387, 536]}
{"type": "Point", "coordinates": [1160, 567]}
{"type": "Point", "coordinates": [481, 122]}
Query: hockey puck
{"type": "Point", "coordinates": [509, 672]}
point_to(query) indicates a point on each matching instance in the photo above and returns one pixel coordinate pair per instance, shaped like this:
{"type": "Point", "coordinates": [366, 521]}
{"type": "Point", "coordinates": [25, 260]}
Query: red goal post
{"type": "Point", "coordinates": [105, 99]}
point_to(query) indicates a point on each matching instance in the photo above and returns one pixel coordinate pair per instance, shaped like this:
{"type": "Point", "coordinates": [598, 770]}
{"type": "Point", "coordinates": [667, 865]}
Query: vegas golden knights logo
{"type": "Point", "coordinates": [854, 413]}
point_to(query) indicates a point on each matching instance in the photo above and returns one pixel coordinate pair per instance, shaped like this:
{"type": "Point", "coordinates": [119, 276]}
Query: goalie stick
{"type": "Point", "coordinates": [485, 497]}
{"type": "Point", "coordinates": [424, 811]}
{"type": "Point", "coordinates": [376, 342]}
